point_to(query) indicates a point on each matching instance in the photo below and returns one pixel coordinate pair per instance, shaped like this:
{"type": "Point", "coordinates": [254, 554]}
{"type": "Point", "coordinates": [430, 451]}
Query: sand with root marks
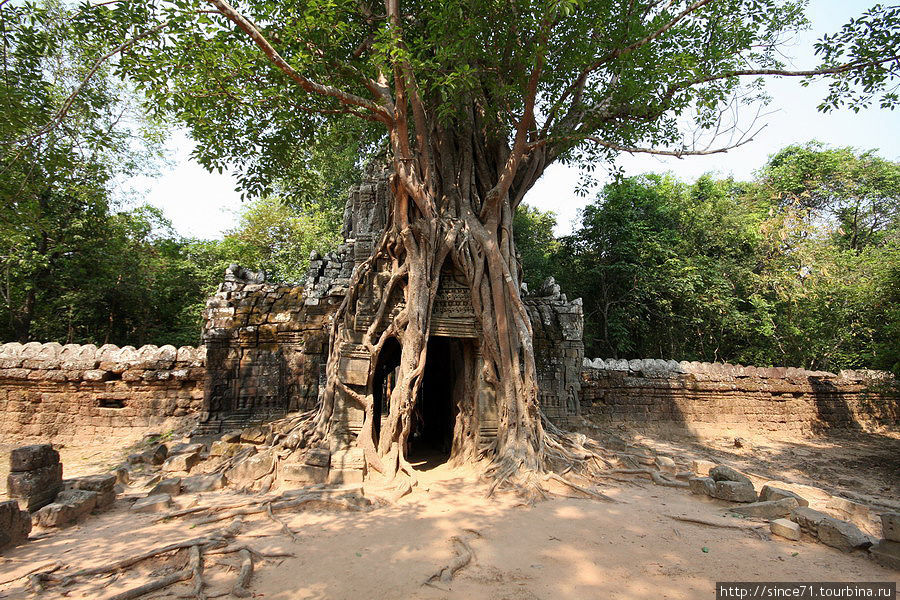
{"type": "Point", "coordinates": [564, 548]}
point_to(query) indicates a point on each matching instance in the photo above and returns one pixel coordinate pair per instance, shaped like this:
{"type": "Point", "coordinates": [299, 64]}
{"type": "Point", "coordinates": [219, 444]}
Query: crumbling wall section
{"type": "Point", "coordinates": [711, 398]}
{"type": "Point", "coordinates": [55, 392]}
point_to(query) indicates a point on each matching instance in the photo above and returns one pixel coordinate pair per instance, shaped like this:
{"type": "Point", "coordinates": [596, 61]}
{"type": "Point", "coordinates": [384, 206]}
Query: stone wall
{"type": "Point", "coordinates": [55, 392]}
{"type": "Point", "coordinates": [711, 398]}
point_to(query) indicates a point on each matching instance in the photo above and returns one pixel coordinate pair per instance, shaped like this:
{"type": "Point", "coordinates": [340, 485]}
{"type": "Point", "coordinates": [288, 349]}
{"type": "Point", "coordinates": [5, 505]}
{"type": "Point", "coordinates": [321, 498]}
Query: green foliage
{"type": "Point", "coordinates": [623, 72]}
{"type": "Point", "coordinates": [56, 182]}
{"type": "Point", "coordinates": [537, 247]}
{"type": "Point", "coordinates": [773, 272]}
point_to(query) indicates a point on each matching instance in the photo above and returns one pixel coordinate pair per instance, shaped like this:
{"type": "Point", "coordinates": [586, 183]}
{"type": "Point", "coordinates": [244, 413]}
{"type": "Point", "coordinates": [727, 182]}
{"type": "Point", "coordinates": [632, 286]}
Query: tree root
{"type": "Point", "coordinates": [708, 523]}
{"type": "Point", "coordinates": [240, 589]}
{"type": "Point", "coordinates": [657, 477]}
{"type": "Point", "coordinates": [298, 502]}
{"type": "Point", "coordinates": [463, 556]}
{"type": "Point", "coordinates": [589, 493]}
{"type": "Point", "coordinates": [284, 527]}
{"type": "Point", "coordinates": [214, 539]}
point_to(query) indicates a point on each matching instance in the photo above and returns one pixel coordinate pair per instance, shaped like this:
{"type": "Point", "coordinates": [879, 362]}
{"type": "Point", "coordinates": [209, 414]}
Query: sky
{"type": "Point", "coordinates": [205, 205]}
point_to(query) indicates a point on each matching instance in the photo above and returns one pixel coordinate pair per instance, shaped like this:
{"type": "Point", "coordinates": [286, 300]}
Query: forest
{"type": "Point", "coordinates": [800, 266]}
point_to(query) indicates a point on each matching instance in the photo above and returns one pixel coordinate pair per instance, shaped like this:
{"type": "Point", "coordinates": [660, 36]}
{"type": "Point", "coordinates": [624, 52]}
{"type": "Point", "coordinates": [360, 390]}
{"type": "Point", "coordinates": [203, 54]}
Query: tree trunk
{"type": "Point", "coordinates": [453, 222]}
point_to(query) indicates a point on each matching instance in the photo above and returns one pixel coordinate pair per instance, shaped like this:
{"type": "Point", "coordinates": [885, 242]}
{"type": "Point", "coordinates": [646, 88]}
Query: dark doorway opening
{"type": "Point", "coordinates": [431, 436]}
{"type": "Point", "coordinates": [384, 382]}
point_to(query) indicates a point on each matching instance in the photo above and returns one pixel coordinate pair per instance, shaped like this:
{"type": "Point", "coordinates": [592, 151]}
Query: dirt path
{"type": "Point", "coordinates": [560, 549]}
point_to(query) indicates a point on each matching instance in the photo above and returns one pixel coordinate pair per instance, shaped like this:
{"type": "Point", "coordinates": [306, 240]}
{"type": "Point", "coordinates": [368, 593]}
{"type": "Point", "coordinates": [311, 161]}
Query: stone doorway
{"type": "Point", "coordinates": [447, 379]}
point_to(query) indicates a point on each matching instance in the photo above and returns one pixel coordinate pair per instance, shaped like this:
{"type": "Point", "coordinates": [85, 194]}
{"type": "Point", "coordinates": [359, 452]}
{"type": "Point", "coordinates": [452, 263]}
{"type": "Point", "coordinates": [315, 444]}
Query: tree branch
{"type": "Point", "coordinates": [306, 84]}
{"type": "Point", "coordinates": [67, 103]}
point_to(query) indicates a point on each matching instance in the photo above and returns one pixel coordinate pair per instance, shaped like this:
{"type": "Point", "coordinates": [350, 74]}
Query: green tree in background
{"type": "Point", "coordinates": [797, 268]}
{"type": "Point", "coordinates": [536, 243]}
{"type": "Point", "coordinates": [56, 176]}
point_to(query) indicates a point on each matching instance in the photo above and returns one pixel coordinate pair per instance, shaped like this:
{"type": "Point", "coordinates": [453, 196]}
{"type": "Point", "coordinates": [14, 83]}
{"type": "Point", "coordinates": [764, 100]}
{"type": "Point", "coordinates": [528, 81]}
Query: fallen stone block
{"type": "Point", "coordinates": [735, 491]}
{"type": "Point", "coordinates": [770, 492]}
{"type": "Point", "coordinates": [103, 484]}
{"type": "Point", "coordinates": [848, 509]}
{"type": "Point", "coordinates": [807, 518]}
{"type": "Point", "coordinates": [231, 437]}
{"type": "Point", "coordinates": [15, 524]}
{"type": "Point", "coordinates": [29, 458]}
{"type": "Point", "coordinates": [70, 505]}
{"type": "Point", "coordinates": [37, 488]}
{"type": "Point", "coordinates": [887, 553]}
{"type": "Point", "coordinates": [171, 486]}
{"type": "Point", "coordinates": [153, 504]}
{"type": "Point", "coordinates": [181, 463]}
{"type": "Point", "coordinates": [769, 509]}
{"type": "Point", "coordinates": [252, 468]}
{"type": "Point", "coordinates": [255, 435]}
{"type": "Point", "coordinates": [203, 483]}
{"type": "Point", "coordinates": [187, 448]}
{"type": "Point", "coordinates": [785, 528]}
{"type": "Point", "coordinates": [702, 486]}
{"type": "Point", "coordinates": [890, 526]}
{"type": "Point", "coordinates": [302, 473]}
{"type": "Point", "coordinates": [95, 483]}
{"type": "Point", "coordinates": [843, 535]}
{"type": "Point", "coordinates": [726, 473]}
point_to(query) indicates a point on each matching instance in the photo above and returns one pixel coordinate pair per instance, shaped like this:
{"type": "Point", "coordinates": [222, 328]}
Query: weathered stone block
{"type": "Point", "coordinates": [15, 524]}
{"type": "Point", "coordinates": [770, 492]}
{"type": "Point", "coordinates": [848, 509]}
{"type": "Point", "coordinates": [252, 468]}
{"type": "Point", "coordinates": [181, 463]}
{"type": "Point", "coordinates": [340, 476]}
{"type": "Point", "coordinates": [350, 459]}
{"type": "Point", "coordinates": [735, 491]}
{"type": "Point", "coordinates": [29, 458]}
{"type": "Point", "coordinates": [255, 435]}
{"type": "Point", "coordinates": [887, 553]}
{"type": "Point", "coordinates": [95, 483]}
{"type": "Point", "coordinates": [152, 504]}
{"type": "Point", "coordinates": [203, 483]}
{"type": "Point", "coordinates": [726, 473]}
{"type": "Point", "coordinates": [170, 486]}
{"type": "Point", "coordinates": [843, 535]}
{"type": "Point", "coordinates": [807, 518]}
{"type": "Point", "coordinates": [37, 488]}
{"type": "Point", "coordinates": [70, 505]}
{"type": "Point", "coordinates": [317, 457]}
{"type": "Point", "coordinates": [702, 486]}
{"type": "Point", "coordinates": [770, 509]}
{"type": "Point", "coordinates": [302, 473]}
{"type": "Point", "coordinates": [890, 526]}
{"type": "Point", "coordinates": [785, 528]}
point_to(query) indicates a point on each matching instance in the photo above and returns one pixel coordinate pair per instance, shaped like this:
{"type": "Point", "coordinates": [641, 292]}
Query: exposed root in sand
{"type": "Point", "coordinates": [463, 556]}
{"type": "Point", "coordinates": [216, 542]}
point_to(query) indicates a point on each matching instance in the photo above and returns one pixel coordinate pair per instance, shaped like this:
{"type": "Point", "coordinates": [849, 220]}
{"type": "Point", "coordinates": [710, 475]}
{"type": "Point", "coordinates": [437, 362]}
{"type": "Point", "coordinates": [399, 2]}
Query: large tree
{"type": "Point", "coordinates": [475, 100]}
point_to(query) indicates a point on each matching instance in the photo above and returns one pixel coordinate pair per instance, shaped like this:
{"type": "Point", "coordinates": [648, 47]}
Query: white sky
{"type": "Point", "coordinates": [203, 205]}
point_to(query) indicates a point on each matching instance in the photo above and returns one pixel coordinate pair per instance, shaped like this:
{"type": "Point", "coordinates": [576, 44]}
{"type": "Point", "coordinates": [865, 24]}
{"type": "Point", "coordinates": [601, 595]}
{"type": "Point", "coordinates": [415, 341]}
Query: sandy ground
{"type": "Point", "coordinates": [558, 549]}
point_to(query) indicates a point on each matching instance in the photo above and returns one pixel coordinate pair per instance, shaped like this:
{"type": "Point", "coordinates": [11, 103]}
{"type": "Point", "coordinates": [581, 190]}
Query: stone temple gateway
{"type": "Point", "coordinates": [267, 343]}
